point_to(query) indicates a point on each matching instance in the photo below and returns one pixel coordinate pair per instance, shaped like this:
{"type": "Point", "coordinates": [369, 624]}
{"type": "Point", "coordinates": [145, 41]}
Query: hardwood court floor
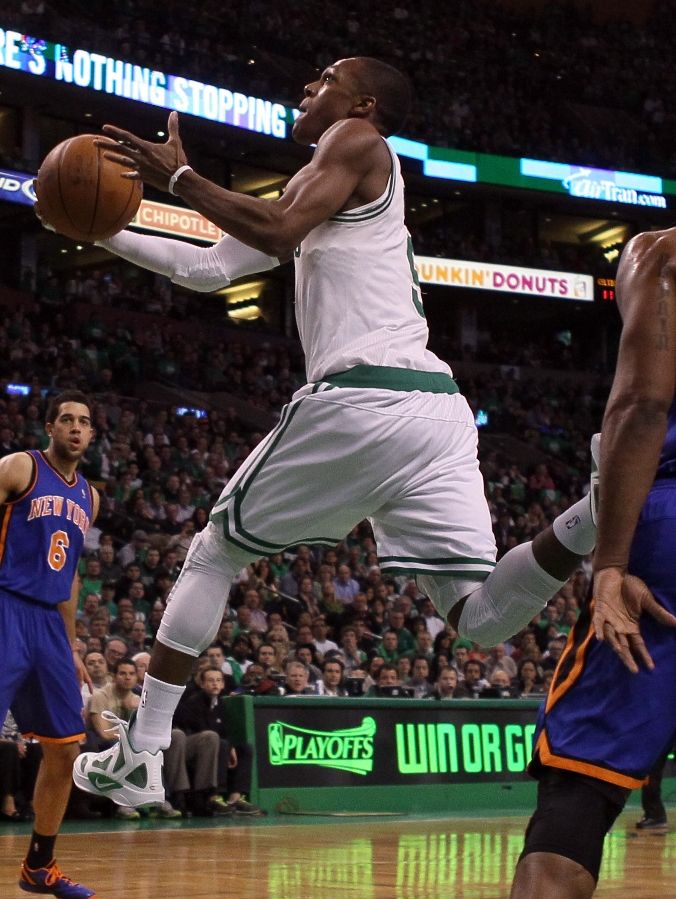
{"type": "Point", "coordinates": [324, 858]}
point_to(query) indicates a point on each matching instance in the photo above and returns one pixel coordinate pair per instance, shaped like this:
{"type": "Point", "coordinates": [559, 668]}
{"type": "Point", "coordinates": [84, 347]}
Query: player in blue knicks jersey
{"type": "Point", "coordinates": [611, 709]}
{"type": "Point", "coordinates": [46, 510]}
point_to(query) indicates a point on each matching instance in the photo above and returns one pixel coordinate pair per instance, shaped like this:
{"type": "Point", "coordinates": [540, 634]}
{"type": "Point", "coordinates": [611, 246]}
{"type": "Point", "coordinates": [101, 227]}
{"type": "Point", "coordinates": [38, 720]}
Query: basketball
{"type": "Point", "coordinates": [82, 194]}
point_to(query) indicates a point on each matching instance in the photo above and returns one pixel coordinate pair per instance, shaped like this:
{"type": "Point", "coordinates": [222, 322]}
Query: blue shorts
{"type": "Point", "coordinates": [37, 674]}
{"type": "Point", "coordinates": [599, 719]}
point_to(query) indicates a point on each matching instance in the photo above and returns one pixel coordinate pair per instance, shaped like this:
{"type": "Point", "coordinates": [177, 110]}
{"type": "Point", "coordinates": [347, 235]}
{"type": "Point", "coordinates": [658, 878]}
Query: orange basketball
{"type": "Point", "coordinates": [82, 194]}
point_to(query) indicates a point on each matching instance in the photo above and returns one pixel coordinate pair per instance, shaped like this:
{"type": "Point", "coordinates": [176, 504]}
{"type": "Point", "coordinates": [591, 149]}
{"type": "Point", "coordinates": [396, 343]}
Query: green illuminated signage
{"type": "Point", "coordinates": [470, 748]}
{"type": "Point", "coordinates": [346, 750]}
{"type": "Point", "coordinates": [96, 72]}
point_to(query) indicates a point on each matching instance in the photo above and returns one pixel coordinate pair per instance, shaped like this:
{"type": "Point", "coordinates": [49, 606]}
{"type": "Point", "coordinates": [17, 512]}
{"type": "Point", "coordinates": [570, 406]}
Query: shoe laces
{"type": "Point", "coordinates": [116, 722]}
{"type": "Point", "coordinates": [55, 874]}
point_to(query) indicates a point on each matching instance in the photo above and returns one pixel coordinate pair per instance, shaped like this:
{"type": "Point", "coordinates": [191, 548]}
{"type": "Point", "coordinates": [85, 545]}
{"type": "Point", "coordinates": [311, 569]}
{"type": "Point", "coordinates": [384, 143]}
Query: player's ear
{"type": "Point", "coordinates": [363, 107]}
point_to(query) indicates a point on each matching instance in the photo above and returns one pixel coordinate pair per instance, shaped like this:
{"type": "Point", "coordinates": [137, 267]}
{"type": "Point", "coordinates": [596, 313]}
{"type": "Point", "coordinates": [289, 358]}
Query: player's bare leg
{"type": "Point", "coordinates": [39, 871]}
{"type": "Point", "coordinates": [53, 786]}
{"type": "Point", "coordinates": [170, 665]}
{"type": "Point", "coordinates": [554, 876]}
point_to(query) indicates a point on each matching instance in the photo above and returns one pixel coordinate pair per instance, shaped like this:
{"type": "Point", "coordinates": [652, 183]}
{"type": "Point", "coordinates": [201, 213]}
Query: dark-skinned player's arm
{"type": "Point", "coordinates": [633, 431]}
{"type": "Point", "coordinates": [345, 154]}
{"type": "Point", "coordinates": [68, 610]}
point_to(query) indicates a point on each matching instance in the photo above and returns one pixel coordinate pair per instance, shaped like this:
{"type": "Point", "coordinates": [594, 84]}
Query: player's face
{"type": "Point", "coordinates": [71, 432]}
{"type": "Point", "coordinates": [327, 100]}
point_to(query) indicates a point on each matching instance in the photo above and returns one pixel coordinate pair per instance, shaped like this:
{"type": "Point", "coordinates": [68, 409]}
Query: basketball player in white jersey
{"type": "Point", "coordinates": [380, 431]}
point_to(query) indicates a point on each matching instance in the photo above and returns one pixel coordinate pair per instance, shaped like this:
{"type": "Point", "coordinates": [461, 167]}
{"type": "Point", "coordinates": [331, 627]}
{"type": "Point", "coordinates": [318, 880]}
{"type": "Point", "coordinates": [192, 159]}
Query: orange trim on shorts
{"type": "Point", "coordinates": [555, 693]}
{"type": "Point", "coordinates": [547, 757]}
{"type": "Point", "coordinates": [76, 738]}
{"type": "Point", "coordinates": [3, 531]}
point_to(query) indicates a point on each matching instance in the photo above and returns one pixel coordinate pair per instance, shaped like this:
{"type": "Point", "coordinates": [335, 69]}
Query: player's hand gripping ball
{"type": "Point", "coordinates": [82, 194]}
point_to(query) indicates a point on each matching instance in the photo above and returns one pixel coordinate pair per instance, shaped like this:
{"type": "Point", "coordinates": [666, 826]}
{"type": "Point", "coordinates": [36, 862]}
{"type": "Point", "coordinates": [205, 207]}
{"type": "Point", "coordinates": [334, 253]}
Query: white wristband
{"type": "Point", "coordinates": [177, 174]}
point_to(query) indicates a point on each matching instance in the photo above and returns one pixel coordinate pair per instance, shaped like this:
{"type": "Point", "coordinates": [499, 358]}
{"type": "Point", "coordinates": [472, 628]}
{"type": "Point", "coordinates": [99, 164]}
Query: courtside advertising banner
{"type": "Point", "coordinates": [510, 279]}
{"type": "Point", "coordinates": [303, 745]}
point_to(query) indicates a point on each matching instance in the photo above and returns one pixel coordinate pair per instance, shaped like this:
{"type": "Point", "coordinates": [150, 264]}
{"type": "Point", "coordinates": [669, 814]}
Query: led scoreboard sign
{"type": "Point", "coordinates": [93, 71]}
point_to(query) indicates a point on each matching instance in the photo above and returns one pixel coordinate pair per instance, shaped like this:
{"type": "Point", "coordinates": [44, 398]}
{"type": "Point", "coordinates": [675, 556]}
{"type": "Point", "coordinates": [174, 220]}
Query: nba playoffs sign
{"type": "Point", "coordinates": [505, 278]}
{"type": "Point", "coordinates": [306, 745]}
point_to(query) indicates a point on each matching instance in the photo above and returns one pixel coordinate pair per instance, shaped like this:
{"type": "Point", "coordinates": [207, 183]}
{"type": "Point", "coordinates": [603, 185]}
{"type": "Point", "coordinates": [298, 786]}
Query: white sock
{"type": "Point", "coordinates": [152, 728]}
{"type": "Point", "coordinates": [575, 529]}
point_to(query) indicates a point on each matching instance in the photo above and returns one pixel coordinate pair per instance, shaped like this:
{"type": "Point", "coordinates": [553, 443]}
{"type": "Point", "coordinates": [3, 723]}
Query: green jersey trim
{"type": "Point", "coordinates": [386, 377]}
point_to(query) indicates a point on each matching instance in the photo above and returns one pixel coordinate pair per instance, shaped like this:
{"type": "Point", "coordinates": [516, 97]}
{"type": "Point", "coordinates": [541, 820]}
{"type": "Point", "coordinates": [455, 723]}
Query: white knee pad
{"type": "Point", "coordinates": [513, 593]}
{"type": "Point", "coordinates": [198, 599]}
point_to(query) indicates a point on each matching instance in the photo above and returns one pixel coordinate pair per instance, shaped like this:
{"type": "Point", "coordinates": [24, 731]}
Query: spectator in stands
{"type": "Point", "coordinates": [265, 656]}
{"type": "Point", "coordinates": [307, 654]}
{"type": "Point", "coordinates": [115, 649]}
{"type": "Point", "coordinates": [345, 585]}
{"type": "Point", "coordinates": [331, 683]}
{"type": "Point", "coordinates": [297, 678]}
{"type": "Point", "coordinates": [498, 660]}
{"type": "Point", "coordinates": [529, 678]}
{"type": "Point", "coordinates": [447, 686]}
{"type": "Point", "coordinates": [258, 619]}
{"type": "Point", "coordinates": [141, 661]}
{"type": "Point", "coordinates": [500, 683]}
{"type": "Point", "coordinates": [221, 766]}
{"type": "Point", "coordinates": [388, 677]}
{"type": "Point", "coordinates": [320, 630]}
{"type": "Point", "coordinates": [474, 677]}
{"type": "Point", "coordinates": [119, 698]}
{"type": "Point", "coordinates": [555, 647]}
{"type": "Point", "coordinates": [97, 669]}
{"type": "Point", "coordinates": [420, 677]}
{"type": "Point", "coordinates": [461, 649]}
{"type": "Point", "coordinates": [352, 655]}
{"type": "Point", "coordinates": [389, 648]}
{"type": "Point", "coordinates": [240, 658]}
{"type": "Point", "coordinates": [134, 550]}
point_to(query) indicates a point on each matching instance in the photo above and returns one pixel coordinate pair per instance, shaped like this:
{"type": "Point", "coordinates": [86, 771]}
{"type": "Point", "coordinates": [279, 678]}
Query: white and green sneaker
{"type": "Point", "coordinates": [127, 776]}
{"type": "Point", "coordinates": [594, 476]}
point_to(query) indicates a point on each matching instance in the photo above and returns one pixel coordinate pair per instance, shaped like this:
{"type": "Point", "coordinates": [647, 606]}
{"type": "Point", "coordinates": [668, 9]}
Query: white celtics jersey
{"type": "Point", "coordinates": [357, 295]}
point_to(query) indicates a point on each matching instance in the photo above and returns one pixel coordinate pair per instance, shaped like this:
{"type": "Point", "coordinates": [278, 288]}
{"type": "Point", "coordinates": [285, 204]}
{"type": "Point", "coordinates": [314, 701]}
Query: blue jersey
{"type": "Point", "coordinates": [42, 534]}
{"type": "Point", "coordinates": [599, 719]}
{"type": "Point", "coordinates": [667, 466]}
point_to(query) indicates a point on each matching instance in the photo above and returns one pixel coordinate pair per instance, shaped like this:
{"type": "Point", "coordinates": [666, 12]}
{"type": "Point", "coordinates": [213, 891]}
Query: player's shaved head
{"type": "Point", "coordinates": [391, 89]}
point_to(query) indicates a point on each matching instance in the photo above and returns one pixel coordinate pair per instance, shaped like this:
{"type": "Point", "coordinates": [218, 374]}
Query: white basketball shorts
{"type": "Point", "coordinates": [407, 461]}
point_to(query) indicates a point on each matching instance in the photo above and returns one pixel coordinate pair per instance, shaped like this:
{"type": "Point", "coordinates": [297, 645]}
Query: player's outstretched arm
{"type": "Point", "coordinates": [345, 154]}
{"type": "Point", "coordinates": [197, 268]}
{"type": "Point", "coordinates": [633, 432]}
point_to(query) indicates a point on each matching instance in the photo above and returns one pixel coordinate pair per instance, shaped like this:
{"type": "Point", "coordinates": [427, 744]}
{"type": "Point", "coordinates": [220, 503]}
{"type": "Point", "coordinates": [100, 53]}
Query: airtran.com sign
{"type": "Point", "coordinates": [312, 746]}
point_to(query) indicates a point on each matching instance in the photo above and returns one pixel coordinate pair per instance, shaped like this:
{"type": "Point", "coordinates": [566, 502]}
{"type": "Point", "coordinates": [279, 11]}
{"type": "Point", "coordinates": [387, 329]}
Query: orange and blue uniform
{"type": "Point", "coordinates": [42, 534]}
{"type": "Point", "coordinates": [599, 719]}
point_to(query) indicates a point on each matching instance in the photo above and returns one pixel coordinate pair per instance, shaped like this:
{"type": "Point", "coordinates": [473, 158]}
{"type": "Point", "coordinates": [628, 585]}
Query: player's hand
{"type": "Point", "coordinates": [41, 219]}
{"type": "Point", "coordinates": [619, 601]}
{"type": "Point", "coordinates": [81, 672]}
{"type": "Point", "coordinates": [144, 160]}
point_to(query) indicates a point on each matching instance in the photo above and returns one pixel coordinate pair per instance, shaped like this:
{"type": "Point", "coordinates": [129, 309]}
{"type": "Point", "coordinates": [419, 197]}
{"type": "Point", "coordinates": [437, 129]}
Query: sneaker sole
{"type": "Point", "coordinates": [121, 796]}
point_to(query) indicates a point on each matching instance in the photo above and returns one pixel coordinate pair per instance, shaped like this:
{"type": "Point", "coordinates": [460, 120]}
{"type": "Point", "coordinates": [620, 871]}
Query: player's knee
{"type": "Point", "coordinates": [573, 815]}
{"type": "Point", "coordinates": [60, 756]}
